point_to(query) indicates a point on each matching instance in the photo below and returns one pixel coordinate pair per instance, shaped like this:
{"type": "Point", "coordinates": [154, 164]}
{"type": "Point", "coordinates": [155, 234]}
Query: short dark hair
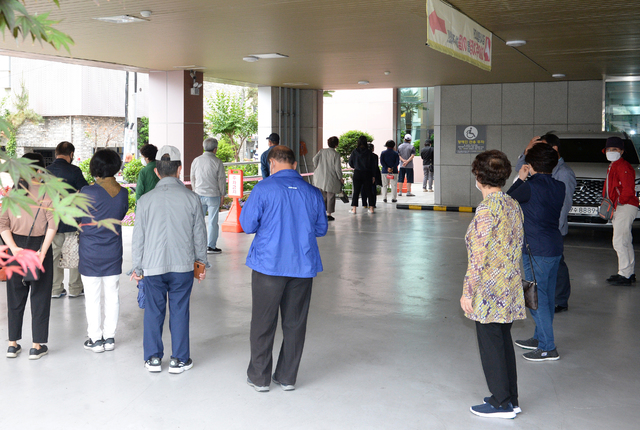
{"type": "Point", "coordinates": [282, 154]}
{"type": "Point", "coordinates": [362, 142]}
{"type": "Point", "coordinates": [430, 142]}
{"type": "Point", "coordinates": [542, 157]}
{"type": "Point", "coordinates": [65, 148]}
{"type": "Point", "coordinates": [166, 167]}
{"type": "Point", "coordinates": [38, 158]}
{"type": "Point", "coordinates": [370, 146]}
{"type": "Point", "coordinates": [390, 144]}
{"type": "Point", "coordinates": [149, 151]}
{"type": "Point", "coordinates": [491, 168]}
{"type": "Point", "coordinates": [333, 142]}
{"type": "Point", "coordinates": [552, 140]}
{"type": "Point", "coordinates": [105, 163]}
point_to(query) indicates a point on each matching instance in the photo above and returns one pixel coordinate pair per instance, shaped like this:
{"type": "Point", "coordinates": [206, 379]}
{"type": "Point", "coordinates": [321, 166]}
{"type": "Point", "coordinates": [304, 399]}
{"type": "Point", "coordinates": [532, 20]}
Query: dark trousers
{"type": "Point", "coordinates": [177, 288]}
{"type": "Point", "coordinates": [361, 184]}
{"type": "Point", "coordinates": [39, 292]}
{"type": "Point", "coordinates": [291, 296]}
{"type": "Point", "coordinates": [498, 362]}
{"type": "Point", "coordinates": [563, 284]}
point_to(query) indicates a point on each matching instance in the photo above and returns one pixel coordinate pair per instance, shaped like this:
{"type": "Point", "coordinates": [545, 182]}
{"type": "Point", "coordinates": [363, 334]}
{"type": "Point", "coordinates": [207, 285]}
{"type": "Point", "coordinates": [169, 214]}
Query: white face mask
{"type": "Point", "coordinates": [478, 186]}
{"type": "Point", "coordinates": [143, 161]}
{"type": "Point", "coordinates": [613, 156]}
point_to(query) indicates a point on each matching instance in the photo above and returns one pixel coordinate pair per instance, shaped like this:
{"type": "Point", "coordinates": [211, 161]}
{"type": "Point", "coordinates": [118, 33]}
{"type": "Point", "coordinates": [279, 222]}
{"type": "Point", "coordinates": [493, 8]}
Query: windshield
{"type": "Point", "coordinates": [582, 150]}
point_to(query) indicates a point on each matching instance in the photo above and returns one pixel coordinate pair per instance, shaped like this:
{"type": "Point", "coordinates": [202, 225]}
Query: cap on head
{"type": "Point", "coordinates": [273, 137]}
{"type": "Point", "coordinates": [614, 142]}
{"type": "Point", "coordinates": [171, 151]}
{"type": "Point", "coordinates": [407, 138]}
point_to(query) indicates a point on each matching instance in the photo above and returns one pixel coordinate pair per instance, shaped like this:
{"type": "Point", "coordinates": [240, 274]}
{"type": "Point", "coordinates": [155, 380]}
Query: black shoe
{"type": "Point", "coordinates": [527, 344]}
{"type": "Point", "coordinates": [622, 281]}
{"type": "Point", "coordinates": [59, 295]}
{"type": "Point", "coordinates": [616, 278]}
{"type": "Point", "coordinates": [97, 346]}
{"type": "Point", "coordinates": [384, 200]}
{"type": "Point", "coordinates": [35, 354]}
{"type": "Point", "coordinates": [540, 355]}
{"type": "Point", "coordinates": [393, 201]}
{"type": "Point", "coordinates": [213, 250]}
{"type": "Point", "coordinates": [561, 309]}
{"type": "Point", "coordinates": [13, 351]}
{"type": "Point", "coordinates": [177, 366]}
{"type": "Point", "coordinates": [154, 364]}
{"type": "Point", "coordinates": [330, 218]}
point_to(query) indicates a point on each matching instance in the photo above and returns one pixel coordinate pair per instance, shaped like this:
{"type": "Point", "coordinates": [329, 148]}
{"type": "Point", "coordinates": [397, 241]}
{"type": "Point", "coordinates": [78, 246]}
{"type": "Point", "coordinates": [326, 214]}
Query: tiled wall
{"type": "Point", "coordinates": [513, 114]}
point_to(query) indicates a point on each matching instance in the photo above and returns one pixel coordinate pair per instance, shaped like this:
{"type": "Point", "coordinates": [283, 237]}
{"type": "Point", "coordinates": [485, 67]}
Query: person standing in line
{"type": "Point", "coordinates": [389, 159]}
{"type": "Point", "coordinates": [492, 295]}
{"type": "Point", "coordinates": [100, 251]}
{"type": "Point", "coordinates": [564, 174]}
{"type": "Point", "coordinates": [620, 184]}
{"type": "Point", "coordinates": [274, 140]}
{"type": "Point", "coordinates": [208, 180]}
{"type": "Point", "coordinates": [327, 175]}
{"type": "Point", "coordinates": [541, 198]}
{"type": "Point", "coordinates": [407, 152]}
{"type": "Point", "coordinates": [147, 178]}
{"type": "Point", "coordinates": [36, 232]}
{"type": "Point", "coordinates": [377, 177]}
{"type": "Point", "coordinates": [287, 215]}
{"type": "Point", "coordinates": [427, 166]}
{"type": "Point", "coordinates": [362, 163]}
{"type": "Point", "coordinates": [169, 236]}
{"type": "Point", "coordinates": [72, 175]}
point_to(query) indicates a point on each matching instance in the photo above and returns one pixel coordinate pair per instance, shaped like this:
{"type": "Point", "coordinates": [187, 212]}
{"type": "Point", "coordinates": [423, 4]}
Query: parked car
{"type": "Point", "coordinates": [583, 152]}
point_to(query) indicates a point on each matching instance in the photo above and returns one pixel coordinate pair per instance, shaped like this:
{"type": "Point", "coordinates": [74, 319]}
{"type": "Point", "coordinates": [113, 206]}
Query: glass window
{"type": "Point", "coordinates": [415, 114]}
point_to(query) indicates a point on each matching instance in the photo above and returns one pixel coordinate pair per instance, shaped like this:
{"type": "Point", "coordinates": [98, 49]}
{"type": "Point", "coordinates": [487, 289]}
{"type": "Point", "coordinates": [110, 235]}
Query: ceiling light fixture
{"type": "Point", "coordinates": [363, 82]}
{"type": "Point", "coordinates": [145, 13]}
{"type": "Point", "coordinates": [295, 84]}
{"type": "Point", "coordinates": [516, 43]}
{"type": "Point", "coordinates": [558, 75]}
{"type": "Point", "coordinates": [269, 56]}
{"type": "Point", "coordinates": [387, 73]}
{"type": "Point", "coordinates": [121, 19]}
{"type": "Point", "coordinates": [250, 58]}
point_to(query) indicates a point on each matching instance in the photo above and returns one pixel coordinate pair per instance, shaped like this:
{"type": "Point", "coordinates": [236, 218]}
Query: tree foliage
{"type": "Point", "coordinates": [231, 115]}
{"type": "Point", "coordinates": [132, 170]}
{"type": "Point", "coordinates": [143, 131]}
{"type": "Point", "coordinates": [225, 151]}
{"type": "Point", "coordinates": [348, 142]}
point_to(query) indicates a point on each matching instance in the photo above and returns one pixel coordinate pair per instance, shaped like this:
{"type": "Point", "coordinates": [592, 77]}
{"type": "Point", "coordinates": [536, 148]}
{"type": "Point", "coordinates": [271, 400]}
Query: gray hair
{"type": "Point", "coordinates": [210, 144]}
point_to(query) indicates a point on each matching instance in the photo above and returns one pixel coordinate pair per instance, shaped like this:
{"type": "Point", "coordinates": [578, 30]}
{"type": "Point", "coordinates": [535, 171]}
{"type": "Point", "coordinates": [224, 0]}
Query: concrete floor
{"type": "Point", "coordinates": [387, 345]}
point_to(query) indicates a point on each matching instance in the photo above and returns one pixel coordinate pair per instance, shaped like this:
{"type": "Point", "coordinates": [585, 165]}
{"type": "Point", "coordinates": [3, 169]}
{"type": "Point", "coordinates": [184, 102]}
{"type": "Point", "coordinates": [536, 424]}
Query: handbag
{"type": "Point", "coordinates": [34, 273]}
{"type": "Point", "coordinates": [70, 257]}
{"type": "Point", "coordinates": [530, 288]}
{"type": "Point", "coordinates": [342, 195]}
{"type": "Point", "coordinates": [606, 207]}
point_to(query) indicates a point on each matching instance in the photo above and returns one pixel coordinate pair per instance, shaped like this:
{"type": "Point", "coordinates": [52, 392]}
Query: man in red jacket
{"type": "Point", "coordinates": [621, 187]}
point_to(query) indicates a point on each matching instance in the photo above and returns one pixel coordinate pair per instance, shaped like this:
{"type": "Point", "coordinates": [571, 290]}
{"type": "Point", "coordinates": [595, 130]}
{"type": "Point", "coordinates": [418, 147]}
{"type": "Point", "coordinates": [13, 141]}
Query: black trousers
{"type": "Point", "coordinates": [362, 181]}
{"type": "Point", "coordinates": [563, 284]}
{"type": "Point", "coordinates": [291, 296]}
{"type": "Point", "coordinates": [39, 292]}
{"type": "Point", "coordinates": [498, 362]}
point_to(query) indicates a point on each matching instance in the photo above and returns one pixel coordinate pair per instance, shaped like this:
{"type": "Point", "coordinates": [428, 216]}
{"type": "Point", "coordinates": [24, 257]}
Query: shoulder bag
{"type": "Point", "coordinates": [606, 207]}
{"type": "Point", "coordinates": [530, 288]}
{"type": "Point", "coordinates": [70, 257]}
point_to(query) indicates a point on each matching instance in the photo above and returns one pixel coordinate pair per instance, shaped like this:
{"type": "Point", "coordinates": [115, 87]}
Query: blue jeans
{"type": "Point", "coordinates": [177, 288]}
{"type": "Point", "coordinates": [546, 271]}
{"type": "Point", "coordinates": [212, 204]}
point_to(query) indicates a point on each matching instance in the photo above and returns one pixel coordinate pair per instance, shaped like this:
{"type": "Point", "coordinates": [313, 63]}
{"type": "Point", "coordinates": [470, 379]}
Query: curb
{"type": "Point", "coordinates": [436, 208]}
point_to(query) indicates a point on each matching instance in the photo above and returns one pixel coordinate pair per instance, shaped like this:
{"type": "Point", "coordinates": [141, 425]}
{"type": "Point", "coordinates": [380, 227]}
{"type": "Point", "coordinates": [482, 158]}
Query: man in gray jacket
{"type": "Point", "coordinates": [208, 180]}
{"type": "Point", "coordinates": [564, 174]}
{"type": "Point", "coordinates": [169, 236]}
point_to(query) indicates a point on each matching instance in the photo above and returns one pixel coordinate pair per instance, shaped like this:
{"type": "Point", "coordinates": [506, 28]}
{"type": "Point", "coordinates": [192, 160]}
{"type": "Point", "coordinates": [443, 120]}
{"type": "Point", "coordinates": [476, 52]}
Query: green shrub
{"type": "Point", "coordinates": [348, 142]}
{"type": "Point", "coordinates": [143, 131]}
{"type": "Point", "coordinates": [132, 199]}
{"type": "Point", "coordinates": [131, 171]}
{"type": "Point", "coordinates": [416, 145]}
{"type": "Point", "coordinates": [84, 166]}
{"type": "Point", "coordinates": [225, 150]}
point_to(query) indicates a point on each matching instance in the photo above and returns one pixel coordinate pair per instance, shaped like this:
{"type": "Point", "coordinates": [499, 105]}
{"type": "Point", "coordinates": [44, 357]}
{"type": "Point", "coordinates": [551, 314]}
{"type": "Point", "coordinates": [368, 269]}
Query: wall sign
{"type": "Point", "coordinates": [471, 139]}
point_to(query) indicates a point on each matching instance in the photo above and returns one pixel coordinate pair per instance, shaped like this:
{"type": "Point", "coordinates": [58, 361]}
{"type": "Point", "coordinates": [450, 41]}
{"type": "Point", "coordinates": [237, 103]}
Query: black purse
{"type": "Point", "coordinates": [34, 273]}
{"type": "Point", "coordinates": [530, 288]}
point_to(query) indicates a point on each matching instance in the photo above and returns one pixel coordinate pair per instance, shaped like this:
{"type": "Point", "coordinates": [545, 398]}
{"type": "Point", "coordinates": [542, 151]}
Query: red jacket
{"type": "Point", "coordinates": [621, 181]}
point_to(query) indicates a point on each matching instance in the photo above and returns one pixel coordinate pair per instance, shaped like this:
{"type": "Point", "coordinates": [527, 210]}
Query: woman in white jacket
{"type": "Point", "coordinates": [328, 175]}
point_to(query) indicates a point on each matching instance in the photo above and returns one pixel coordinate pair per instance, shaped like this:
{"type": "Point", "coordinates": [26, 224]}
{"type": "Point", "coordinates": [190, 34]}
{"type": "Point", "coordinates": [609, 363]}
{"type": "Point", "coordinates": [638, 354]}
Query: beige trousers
{"type": "Point", "coordinates": [623, 239]}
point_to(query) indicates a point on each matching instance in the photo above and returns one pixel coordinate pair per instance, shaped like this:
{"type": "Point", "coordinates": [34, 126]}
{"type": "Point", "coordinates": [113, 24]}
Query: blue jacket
{"type": "Point", "coordinates": [286, 214]}
{"type": "Point", "coordinates": [73, 176]}
{"type": "Point", "coordinates": [541, 198]}
{"type": "Point", "coordinates": [264, 164]}
{"type": "Point", "coordinates": [389, 159]}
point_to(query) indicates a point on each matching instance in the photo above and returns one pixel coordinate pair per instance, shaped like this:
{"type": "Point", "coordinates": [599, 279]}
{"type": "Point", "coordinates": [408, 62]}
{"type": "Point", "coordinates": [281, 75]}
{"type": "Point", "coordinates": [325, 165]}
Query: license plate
{"type": "Point", "coordinates": [581, 210]}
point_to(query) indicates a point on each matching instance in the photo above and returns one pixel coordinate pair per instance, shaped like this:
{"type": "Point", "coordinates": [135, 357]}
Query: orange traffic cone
{"type": "Point", "coordinates": [404, 186]}
{"type": "Point", "coordinates": [232, 223]}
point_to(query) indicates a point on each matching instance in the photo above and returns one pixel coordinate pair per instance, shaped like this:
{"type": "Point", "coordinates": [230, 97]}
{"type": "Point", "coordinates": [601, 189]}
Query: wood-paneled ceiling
{"type": "Point", "coordinates": [333, 44]}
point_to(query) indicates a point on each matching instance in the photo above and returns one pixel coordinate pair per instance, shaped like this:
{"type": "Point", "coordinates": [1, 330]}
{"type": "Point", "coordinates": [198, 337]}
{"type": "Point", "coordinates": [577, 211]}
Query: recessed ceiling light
{"type": "Point", "coordinates": [387, 73]}
{"type": "Point", "coordinates": [121, 19]}
{"type": "Point", "coordinates": [516, 43]}
{"type": "Point", "coordinates": [267, 56]}
{"type": "Point", "coordinates": [558, 75]}
{"type": "Point", "coordinates": [145, 13]}
{"type": "Point", "coordinates": [295, 84]}
{"type": "Point", "coordinates": [363, 82]}
{"type": "Point", "coordinates": [250, 59]}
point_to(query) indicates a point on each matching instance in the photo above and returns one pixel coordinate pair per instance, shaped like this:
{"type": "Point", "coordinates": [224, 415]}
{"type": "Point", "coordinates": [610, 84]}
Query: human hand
{"type": "Point", "coordinates": [41, 256]}
{"type": "Point", "coordinates": [202, 275]}
{"type": "Point", "coordinates": [389, 169]}
{"type": "Point", "coordinates": [466, 305]}
{"type": "Point", "coordinates": [532, 142]}
{"type": "Point", "coordinates": [136, 277]}
{"type": "Point", "coordinates": [15, 250]}
{"type": "Point", "coordinates": [524, 172]}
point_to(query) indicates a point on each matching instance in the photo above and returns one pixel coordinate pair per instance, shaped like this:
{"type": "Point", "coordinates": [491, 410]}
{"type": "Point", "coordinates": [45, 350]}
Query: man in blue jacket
{"type": "Point", "coordinates": [274, 140]}
{"type": "Point", "coordinates": [287, 215]}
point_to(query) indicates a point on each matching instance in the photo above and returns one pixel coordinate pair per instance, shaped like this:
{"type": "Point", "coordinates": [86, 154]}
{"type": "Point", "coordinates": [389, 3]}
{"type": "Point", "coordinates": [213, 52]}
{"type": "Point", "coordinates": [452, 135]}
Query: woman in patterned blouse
{"type": "Point", "coordinates": [492, 295]}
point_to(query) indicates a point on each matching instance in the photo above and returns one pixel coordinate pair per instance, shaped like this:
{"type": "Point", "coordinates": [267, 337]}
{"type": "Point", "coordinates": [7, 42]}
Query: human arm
{"type": "Point", "coordinates": [264, 165]}
{"type": "Point", "coordinates": [520, 191]}
{"type": "Point", "coordinates": [48, 239]}
{"type": "Point", "coordinates": [321, 224]}
{"type": "Point", "coordinates": [316, 159]}
{"type": "Point", "coordinates": [251, 212]}
{"type": "Point", "coordinates": [200, 237]}
{"type": "Point", "coordinates": [7, 237]}
{"type": "Point", "coordinates": [627, 187]}
{"type": "Point", "coordinates": [222, 182]}
{"type": "Point", "coordinates": [137, 241]}
{"type": "Point", "coordinates": [193, 174]}
{"type": "Point", "coordinates": [140, 185]}
{"type": "Point", "coordinates": [477, 249]}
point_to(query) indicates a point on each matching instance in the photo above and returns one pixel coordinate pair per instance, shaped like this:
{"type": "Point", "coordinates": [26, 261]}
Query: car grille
{"type": "Point", "coordinates": [588, 192]}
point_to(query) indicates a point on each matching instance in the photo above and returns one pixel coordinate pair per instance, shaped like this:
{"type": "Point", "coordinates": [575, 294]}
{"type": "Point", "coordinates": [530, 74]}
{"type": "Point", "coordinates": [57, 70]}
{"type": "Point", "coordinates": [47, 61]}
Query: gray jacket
{"type": "Point", "coordinates": [208, 177]}
{"type": "Point", "coordinates": [169, 234]}
{"type": "Point", "coordinates": [564, 174]}
{"type": "Point", "coordinates": [328, 170]}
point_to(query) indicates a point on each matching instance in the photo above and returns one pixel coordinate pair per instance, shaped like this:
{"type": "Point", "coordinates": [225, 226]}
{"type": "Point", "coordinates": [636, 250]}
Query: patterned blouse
{"type": "Point", "coordinates": [494, 245]}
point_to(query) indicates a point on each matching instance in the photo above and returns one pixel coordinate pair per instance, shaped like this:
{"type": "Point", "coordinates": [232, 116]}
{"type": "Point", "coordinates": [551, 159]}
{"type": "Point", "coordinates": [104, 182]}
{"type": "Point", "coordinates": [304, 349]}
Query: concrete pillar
{"type": "Point", "coordinates": [175, 115]}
